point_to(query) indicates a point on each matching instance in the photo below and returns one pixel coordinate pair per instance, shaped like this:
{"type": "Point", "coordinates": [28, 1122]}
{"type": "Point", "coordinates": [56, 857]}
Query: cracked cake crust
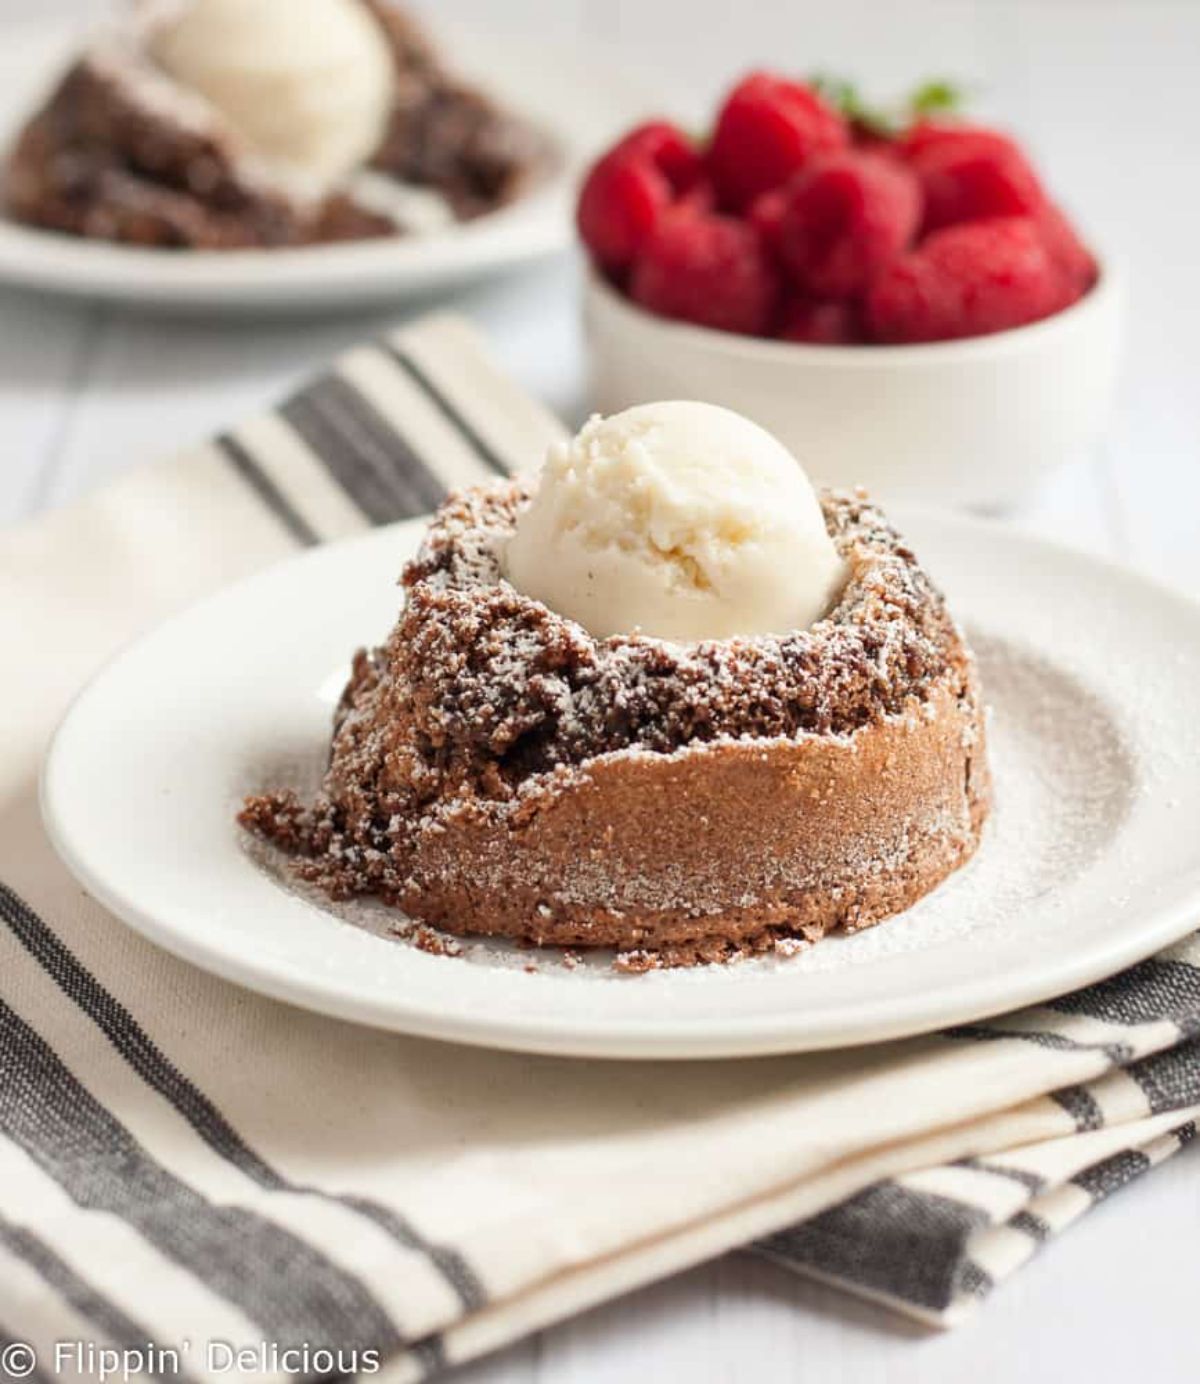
{"type": "Point", "coordinates": [496, 770]}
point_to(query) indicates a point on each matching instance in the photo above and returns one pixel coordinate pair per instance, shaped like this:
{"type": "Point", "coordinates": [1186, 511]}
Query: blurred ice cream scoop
{"type": "Point", "coordinates": [679, 520]}
{"type": "Point", "coordinates": [306, 83]}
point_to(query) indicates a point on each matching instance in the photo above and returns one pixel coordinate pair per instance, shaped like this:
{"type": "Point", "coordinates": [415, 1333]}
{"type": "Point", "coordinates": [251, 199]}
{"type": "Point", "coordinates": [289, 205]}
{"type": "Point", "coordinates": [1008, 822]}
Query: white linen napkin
{"type": "Point", "coordinates": [186, 1167]}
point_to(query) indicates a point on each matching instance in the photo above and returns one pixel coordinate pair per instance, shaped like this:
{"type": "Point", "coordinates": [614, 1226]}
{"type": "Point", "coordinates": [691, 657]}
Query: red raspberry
{"type": "Point", "coordinates": [822, 324]}
{"type": "Point", "coordinates": [969, 177]}
{"type": "Point", "coordinates": [629, 188]}
{"type": "Point", "coordinates": [930, 134]}
{"type": "Point", "coordinates": [766, 131]}
{"type": "Point", "coordinates": [707, 269]}
{"type": "Point", "coordinates": [1073, 260]}
{"type": "Point", "coordinates": [620, 203]}
{"type": "Point", "coordinates": [766, 216]}
{"type": "Point", "coordinates": [845, 218]}
{"type": "Point", "coordinates": [968, 280]}
{"type": "Point", "coordinates": [668, 149]}
{"type": "Point", "coordinates": [701, 197]}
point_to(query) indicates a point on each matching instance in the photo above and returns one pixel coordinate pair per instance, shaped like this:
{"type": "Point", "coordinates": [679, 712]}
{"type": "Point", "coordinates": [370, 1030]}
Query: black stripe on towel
{"type": "Point", "coordinates": [1103, 1179]}
{"type": "Point", "coordinates": [267, 491]}
{"type": "Point", "coordinates": [889, 1239]}
{"type": "Point", "coordinates": [1170, 1080]}
{"type": "Point", "coordinates": [1081, 1105]}
{"type": "Point", "coordinates": [136, 1046]}
{"type": "Point", "coordinates": [374, 464]}
{"type": "Point", "coordinates": [1146, 993]}
{"type": "Point", "coordinates": [120, 1329]}
{"type": "Point", "coordinates": [972, 1281]}
{"type": "Point", "coordinates": [287, 1287]}
{"type": "Point", "coordinates": [1031, 1224]}
{"type": "Point", "coordinates": [448, 409]}
{"type": "Point", "coordinates": [34, 1376]}
{"type": "Point", "coordinates": [449, 1263]}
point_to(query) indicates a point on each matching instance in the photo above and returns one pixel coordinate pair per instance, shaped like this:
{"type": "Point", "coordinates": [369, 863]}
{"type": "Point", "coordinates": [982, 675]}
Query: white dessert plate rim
{"type": "Point", "coordinates": [152, 837]}
{"type": "Point", "coordinates": [579, 101]}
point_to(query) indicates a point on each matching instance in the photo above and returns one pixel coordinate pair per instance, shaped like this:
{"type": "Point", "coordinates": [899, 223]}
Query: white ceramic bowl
{"type": "Point", "coordinates": [974, 422]}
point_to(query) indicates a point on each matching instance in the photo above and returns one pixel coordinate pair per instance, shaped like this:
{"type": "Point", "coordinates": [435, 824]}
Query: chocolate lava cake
{"type": "Point", "coordinates": [497, 770]}
{"type": "Point", "coordinates": [120, 151]}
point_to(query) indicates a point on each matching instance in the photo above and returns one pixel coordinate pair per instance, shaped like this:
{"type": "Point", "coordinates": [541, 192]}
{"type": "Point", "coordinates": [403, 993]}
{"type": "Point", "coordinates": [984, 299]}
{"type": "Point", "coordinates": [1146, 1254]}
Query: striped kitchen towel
{"type": "Point", "coordinates": [189, 1171]}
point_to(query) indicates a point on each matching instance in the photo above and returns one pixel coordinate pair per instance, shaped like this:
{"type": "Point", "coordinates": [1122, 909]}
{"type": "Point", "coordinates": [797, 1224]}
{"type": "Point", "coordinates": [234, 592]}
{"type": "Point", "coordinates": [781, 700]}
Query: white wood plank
{"type": "Point", "coordinates": [519, 1364]}
{"type": "Point", "coordinates": [662, 1332]}
{"type": "Point", "coordinates": [46, 350]}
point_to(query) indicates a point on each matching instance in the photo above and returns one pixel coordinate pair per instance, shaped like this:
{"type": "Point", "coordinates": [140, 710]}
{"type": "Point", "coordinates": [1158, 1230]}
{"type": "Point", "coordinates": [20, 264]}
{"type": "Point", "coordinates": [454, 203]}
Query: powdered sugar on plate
{"type": "Point", "coordinates": [1063, 780]}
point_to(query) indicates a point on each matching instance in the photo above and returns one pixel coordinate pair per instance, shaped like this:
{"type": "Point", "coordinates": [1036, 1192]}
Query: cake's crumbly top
{"type": "Point", "coordinates": [498, 688]}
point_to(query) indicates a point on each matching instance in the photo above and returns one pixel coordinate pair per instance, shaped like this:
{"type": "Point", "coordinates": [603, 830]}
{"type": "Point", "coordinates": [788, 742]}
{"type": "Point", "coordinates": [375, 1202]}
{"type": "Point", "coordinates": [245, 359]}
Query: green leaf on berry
{"type": "Point", "coordinates": [937, 97]}
{"type": "Point", "coordinates": [844, 96]}
{"type": "Point", "coordinates": [836, 90]}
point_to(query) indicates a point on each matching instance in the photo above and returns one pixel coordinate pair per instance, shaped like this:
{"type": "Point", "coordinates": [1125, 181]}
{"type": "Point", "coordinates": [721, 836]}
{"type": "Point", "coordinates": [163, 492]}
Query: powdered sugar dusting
{"type": "Point", "coordinates": [1063, 783]}
{"type": "Point", "coordinates": [1064, 780]}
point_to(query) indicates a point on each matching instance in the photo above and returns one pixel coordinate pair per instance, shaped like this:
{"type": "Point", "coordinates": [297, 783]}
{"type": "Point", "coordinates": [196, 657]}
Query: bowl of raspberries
{"type": "Point", "coordinates": [896, 295]}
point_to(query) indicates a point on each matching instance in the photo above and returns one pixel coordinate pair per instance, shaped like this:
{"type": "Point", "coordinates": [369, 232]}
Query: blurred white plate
{"type": "Point", "coordinates": [1090, 862]}
{"type": "Point", "coordinates": [581, 103]}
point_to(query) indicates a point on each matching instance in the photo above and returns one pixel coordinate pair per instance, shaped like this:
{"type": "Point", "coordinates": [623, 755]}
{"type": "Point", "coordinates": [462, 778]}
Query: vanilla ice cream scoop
{"type": "Point", "coordinates": [680, 520]}
{"type": "Point", "coordinates": [308, 85]}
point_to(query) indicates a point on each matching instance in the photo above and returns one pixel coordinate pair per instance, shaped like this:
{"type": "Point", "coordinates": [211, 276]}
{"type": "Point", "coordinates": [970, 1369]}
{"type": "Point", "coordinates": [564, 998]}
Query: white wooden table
{"type": "Point", "coordinates": [1107, 93]}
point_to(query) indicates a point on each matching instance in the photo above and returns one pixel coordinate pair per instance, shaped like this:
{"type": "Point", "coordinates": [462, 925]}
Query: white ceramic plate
{"type": "Point", "coordinates": [581, 103]}
{"type": "Point", "coordinates": [1091, 861]}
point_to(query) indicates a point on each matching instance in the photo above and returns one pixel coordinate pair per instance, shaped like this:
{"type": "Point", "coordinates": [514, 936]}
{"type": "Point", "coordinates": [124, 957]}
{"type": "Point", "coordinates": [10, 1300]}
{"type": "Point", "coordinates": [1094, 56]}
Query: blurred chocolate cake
{"type": "Point", "coordinates": [224, 124]}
